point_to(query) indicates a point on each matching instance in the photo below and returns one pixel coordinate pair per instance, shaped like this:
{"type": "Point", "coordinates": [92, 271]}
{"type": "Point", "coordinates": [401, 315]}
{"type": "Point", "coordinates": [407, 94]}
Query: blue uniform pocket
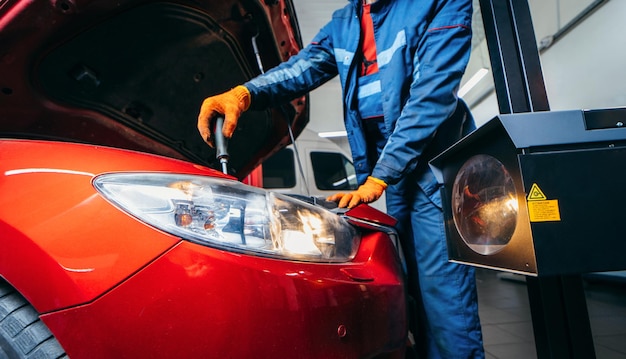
{"type": "Point", "coordinates": [370, 99]}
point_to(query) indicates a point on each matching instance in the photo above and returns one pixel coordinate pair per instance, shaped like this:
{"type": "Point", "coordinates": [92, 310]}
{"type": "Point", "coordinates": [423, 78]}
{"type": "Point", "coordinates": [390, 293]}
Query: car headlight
{"type": "Point", "coordinates": [233, 216]}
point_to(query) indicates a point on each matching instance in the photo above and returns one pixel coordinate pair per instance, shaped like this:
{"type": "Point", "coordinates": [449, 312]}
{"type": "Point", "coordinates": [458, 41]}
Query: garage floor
{"type": "Point", "coordinates": [507, 324]}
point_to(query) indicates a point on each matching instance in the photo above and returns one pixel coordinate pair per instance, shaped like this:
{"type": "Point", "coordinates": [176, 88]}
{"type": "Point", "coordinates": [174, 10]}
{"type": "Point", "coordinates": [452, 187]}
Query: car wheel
{"type": "Point", "coordinates": [22, 334]}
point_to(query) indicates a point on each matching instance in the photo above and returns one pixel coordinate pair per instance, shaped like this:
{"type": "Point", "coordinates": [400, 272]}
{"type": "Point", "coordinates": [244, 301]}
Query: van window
{"type": "Point", "coordinates": [333, 171]}
{"type": "Point", "coordinates": [279, 170]}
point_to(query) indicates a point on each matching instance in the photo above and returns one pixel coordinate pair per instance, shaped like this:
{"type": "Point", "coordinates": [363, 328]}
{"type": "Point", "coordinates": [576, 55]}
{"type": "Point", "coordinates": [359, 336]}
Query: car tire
{"type": "Point", "coordinates": [22, 334]}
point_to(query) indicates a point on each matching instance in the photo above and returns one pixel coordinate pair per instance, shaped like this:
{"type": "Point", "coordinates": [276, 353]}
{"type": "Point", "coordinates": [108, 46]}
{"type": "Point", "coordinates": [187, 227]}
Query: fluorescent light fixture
{"type": "Point", "coordinates": [333, 134]}
{"type": "Point", "coordinates": [473, 81]}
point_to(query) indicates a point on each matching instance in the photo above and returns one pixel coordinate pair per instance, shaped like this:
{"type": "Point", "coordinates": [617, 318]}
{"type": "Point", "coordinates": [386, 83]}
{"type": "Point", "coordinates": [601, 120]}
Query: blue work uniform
{"type": "Point", "coordinates": [422, 50]}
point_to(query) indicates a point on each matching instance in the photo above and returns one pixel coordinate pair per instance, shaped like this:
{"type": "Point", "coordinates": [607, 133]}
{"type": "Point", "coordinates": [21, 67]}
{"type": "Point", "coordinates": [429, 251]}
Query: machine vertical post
{"type": "Point", "coordinates": [558, 305]}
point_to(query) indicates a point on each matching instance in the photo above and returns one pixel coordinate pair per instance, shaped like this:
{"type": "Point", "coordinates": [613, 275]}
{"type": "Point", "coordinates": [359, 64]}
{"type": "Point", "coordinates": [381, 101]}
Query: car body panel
{"type": "Point", "coordinates": [132, 74]}
{"type": "Point", "coordinates": [194, 301]}
{"type": "Point", "coordinates": [83, 243]}
{"type": "Point", "coordinates": [108, 285]}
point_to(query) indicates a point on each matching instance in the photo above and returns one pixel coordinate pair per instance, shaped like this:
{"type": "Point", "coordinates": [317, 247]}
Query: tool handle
{"type": "Point", "coordinates": [221, 144]}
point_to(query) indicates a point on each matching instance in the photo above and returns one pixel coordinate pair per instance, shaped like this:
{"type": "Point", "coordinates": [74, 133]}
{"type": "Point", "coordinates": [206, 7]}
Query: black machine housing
{"type": "Point", "coordinates": [567, 168]}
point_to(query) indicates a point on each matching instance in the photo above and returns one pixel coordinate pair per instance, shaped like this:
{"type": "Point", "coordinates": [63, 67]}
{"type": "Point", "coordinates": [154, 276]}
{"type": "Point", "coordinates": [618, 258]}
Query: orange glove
{"type": "Point", "coordinates": [230, 104]}
{"type": "Point", "coordinates": [368, 192]}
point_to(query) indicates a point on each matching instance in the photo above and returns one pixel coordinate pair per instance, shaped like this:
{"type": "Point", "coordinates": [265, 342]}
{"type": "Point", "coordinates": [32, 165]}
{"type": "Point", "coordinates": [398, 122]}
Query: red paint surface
{"type": "Point", "coordinates": [111, 286]}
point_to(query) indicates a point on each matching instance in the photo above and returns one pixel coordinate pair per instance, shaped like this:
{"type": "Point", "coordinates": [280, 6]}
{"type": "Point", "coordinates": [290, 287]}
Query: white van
{"type": "Point", "coordinates": [326, 167]}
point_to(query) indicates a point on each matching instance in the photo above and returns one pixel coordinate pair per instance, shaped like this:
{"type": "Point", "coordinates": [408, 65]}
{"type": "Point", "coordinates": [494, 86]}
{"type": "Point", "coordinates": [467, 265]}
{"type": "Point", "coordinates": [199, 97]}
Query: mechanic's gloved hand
{"type": "Point", "coordinates": [230, 104]}
{"type": "Point", "coordinates": [368, 192]}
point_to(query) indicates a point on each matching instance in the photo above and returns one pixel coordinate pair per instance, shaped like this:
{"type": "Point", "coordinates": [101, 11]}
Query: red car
{"type": "Point", "coordinates": [119, 235]}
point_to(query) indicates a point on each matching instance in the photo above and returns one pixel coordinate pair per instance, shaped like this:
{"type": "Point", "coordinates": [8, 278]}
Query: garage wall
{"type": "Point", "coordinates": [584, 69]}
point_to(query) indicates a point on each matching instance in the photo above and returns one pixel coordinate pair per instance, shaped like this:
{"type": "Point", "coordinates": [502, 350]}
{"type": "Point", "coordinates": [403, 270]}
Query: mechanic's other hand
{"type": "Point", "coordinates": [230, 104]}
{"type": "Point", "coordinates": [368, 192]}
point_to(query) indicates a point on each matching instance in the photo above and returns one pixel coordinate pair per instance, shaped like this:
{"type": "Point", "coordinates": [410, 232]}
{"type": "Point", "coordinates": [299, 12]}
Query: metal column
{"type": "Point", "coordinates": [558, 304]}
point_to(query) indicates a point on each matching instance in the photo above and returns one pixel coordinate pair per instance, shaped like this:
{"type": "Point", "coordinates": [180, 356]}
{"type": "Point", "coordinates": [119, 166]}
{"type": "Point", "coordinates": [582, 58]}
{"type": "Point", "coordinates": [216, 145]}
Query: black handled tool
{"type": "Point", "coordinates": [221, 144]}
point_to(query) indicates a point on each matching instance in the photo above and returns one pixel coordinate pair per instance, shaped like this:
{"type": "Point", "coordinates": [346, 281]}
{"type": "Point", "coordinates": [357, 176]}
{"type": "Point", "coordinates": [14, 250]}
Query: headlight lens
{"type": "Point", "coordinates": [231, 215]}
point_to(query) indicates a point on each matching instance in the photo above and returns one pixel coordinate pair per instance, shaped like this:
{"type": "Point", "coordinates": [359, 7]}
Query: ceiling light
{"type": "Point", "coordinates": [473, 81]}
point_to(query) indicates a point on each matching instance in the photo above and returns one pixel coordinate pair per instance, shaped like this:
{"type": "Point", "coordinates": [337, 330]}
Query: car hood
{"type": "Point", "coordinates": [132, 74]}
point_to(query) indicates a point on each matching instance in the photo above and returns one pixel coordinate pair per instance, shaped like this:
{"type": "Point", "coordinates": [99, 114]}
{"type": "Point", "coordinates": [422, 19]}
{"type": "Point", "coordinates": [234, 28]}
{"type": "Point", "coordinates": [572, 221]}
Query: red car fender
{"type": "Point", "coordinates": [63, 244]}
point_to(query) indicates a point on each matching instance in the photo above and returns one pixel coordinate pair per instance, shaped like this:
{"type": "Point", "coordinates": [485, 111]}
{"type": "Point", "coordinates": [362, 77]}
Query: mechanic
{"type": "Point", "coordinates": [400, 63]}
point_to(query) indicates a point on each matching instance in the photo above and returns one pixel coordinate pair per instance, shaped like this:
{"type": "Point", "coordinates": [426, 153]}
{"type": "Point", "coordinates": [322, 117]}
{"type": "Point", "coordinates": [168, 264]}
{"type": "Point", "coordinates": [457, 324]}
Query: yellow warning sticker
{"type": "Point", "coordinates": [540, 208]}
{"type": "Point", "coordinates": [536, 194]}
{"type": "Point", "coordinates": [544, 211]}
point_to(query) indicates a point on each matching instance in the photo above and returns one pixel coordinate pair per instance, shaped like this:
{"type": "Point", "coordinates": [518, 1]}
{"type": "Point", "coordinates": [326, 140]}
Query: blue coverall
{"type": "Point", "coordinates": [422, 50]}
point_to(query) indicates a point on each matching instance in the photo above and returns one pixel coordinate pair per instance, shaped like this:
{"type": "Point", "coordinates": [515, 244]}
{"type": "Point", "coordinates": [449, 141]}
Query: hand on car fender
{"type": "Point", "coordinates": [230, 104]}
{"type": "Point", "coordinates": [368, 192]}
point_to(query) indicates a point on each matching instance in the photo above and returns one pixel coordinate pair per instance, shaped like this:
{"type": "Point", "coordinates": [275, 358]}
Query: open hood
{"type": "Point", "coordinates": [133, 73]}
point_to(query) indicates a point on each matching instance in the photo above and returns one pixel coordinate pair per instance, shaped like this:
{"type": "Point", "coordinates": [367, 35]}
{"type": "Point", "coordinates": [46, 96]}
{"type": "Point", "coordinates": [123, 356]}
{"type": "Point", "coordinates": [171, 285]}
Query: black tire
{"type": "Point", "coordinates": [22, 334]}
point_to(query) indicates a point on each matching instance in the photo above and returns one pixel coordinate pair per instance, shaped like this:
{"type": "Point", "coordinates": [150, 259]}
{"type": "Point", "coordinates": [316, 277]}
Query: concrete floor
{"type": "Point", "coordinates": [507, 324]}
